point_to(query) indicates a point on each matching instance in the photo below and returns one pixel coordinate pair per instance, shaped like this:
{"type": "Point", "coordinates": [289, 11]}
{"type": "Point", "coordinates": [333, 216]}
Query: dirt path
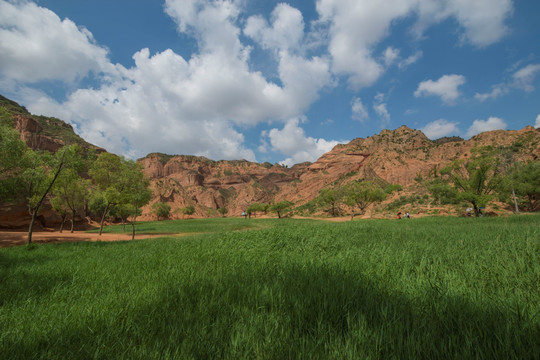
{"type": "Point", "coordinates": [12, 238]}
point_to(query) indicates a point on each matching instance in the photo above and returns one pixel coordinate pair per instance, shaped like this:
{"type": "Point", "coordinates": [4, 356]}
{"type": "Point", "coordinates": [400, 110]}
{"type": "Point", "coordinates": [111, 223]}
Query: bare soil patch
{"type": "Point", "coordinates": [13, 238]}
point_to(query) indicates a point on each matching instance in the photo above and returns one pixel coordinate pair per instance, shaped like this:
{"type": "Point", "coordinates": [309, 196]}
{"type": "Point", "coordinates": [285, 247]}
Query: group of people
{"type": "Point", "coordinates": [406, 215]}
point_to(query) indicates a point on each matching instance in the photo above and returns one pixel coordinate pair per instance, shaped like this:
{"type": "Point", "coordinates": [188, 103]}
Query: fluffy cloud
{"type": "Point", "coordinates": [524, 78]}
{"type": "Point", "coordinates": [355, 27]}
{"type": "Point", "coordinates": [481, 20]}
{"type": "Point", "coordinates": [359, 112]}
{"type": "Point", "coordinates": [446, 87]}
{"type": "Point", "coordinates": [410, 60]}
{"type": "Point", "coordinates": [497, 91]}
{"type": "Point", "coordinates": [537, 124]}
{"type": "Point", "coordinates": [390, 55]}
{"type": "Point", "coordinates": [285, 33]}
{"type": "Point", "coordinates": [292, 141]}
{"type": "Point", "coordinates": [36, 45]}
{"type": "Point", "coordinates": [192, 106]}
{"type": "Point", "coordinates": [478, 126]}
{"type": "Point", "coordinates": [381, 109]}
{"type": "Point", "coordinates": [440, 128]}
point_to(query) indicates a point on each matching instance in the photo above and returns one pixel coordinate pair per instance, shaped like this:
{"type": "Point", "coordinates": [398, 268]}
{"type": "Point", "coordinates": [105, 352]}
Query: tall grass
{"type": "Point", "coordinates": [423, 288]}
{"type": "Point", "coordinates": [193, 226]}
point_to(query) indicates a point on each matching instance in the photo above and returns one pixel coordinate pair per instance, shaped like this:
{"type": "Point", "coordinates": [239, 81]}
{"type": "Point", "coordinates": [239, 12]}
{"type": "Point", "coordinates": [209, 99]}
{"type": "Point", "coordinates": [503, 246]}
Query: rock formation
{"type": "Point", "coordinates": [400, 156]}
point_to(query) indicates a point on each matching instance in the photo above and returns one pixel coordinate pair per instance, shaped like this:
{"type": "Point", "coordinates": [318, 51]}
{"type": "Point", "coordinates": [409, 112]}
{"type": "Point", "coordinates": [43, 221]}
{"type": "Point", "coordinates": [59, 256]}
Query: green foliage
{"type": "Point", "coordinates": [360, 194]}
{"type": "Point", "coordinates": [120, 182]}
{"type": "Point", "coordinates": [476, 180]}
{"type": "Point", "coordinates": [526, 181]}
{"type": "Point", "coordinates": [290, 290]}
{"type": "Point", "coordinates": [330, 200]}
{"type": "Point", "coordinates": [223, 211]}
{"type": "Point", "coordinates": [281, 208]}
{"type": "Point", "coordinates": [442, 192]}
{"type": "Point", "coordinates": [188, 210]}
{"type": "Point", "coordinates": [307, 209]}
{"type": "Point", "coordinates": [14, 155]}
{"type": "Point", "coordinates": [161, 210]}
{"type": "Point", "coordinates": [257, 207]}
{"type": "Point", "coordinates": [390, 188]}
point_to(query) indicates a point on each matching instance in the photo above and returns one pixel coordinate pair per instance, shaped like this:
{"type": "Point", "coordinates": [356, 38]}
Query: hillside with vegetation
{"type": "Point", "coordinates": [394, 171]}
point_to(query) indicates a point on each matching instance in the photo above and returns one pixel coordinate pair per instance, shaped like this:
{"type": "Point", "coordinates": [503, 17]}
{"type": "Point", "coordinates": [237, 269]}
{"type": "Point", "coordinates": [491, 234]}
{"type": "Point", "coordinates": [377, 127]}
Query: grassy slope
{"type": "Point", "coordinates": [423, 288]}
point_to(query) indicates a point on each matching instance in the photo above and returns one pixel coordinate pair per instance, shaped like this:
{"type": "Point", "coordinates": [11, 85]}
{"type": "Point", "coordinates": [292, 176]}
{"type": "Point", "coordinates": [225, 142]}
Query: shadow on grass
{"type": "Point", "coordinates": [20, 280]}
{"type": "Point", "coordinates": [309, 311]}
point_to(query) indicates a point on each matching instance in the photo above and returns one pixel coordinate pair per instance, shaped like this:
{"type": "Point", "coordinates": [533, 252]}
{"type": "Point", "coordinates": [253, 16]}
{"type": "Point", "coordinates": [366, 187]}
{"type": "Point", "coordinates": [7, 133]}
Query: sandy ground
{"type": "Point", "coordinates": [12, 238]}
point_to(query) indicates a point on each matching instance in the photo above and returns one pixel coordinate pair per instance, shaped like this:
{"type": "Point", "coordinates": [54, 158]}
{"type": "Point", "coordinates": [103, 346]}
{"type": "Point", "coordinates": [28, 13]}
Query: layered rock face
{"type": "Point", "coordinates": [398, 156]}
{"type": "Point", "coordinates": [392, 157]}
{"type": "Point", "coordinates": [210, 185]}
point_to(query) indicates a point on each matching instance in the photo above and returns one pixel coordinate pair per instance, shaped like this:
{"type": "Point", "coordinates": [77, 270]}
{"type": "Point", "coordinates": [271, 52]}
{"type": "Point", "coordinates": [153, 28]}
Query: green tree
{"type": "Point", "coordinates": [254, 208]}
{"type": "Point", "coordinates": [39, 179]}
{"type": "Point", "coordinates": [122, 211]}
{"type": "Point", "coordinates": [61, 209]}
{"type": "Point", "coordinates": [281, 207]}
{"type": "Point", "coordinates": [476, 180]}
{"type": "Point", "coordinates": [14, 158]}
{"type": "Point", "coordinates": [442, 192]}
{"type": "Point", "coordinates": [526, 180]}
{"type": "Point", "coordinates": [161, 210]}
{"type": "Point", "coordinates": [108, 175]}
{"type": "Point", "coordinates": [71, 191]}
{"type": "Point", "coordinates": [223, 211]}
{"type": "Point", "coordinates": [360, 194]}
{"type": "Point", "coordinates": [188, 210]}
{"type": "Point", "coordinates": [136, 193]}
{"type": "Point", "coordinates": [330, 200]}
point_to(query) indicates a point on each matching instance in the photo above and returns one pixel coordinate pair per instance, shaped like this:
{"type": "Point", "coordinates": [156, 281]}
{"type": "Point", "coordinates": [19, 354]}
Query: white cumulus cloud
{"type": "Point", "coordinates": [285, 32]}
{"type": "Point", "coordinates": [492, 123]}
{"type": "Point", "coordinates": [356, 27]}
{"type": "Point", "coordinates": [292, 142]}
{"type": "Point", "coordinates": [36, 45]}
{"type": "Point", "coordinates": [445, 87]}
{"type": "Point", "coordinates": [166, 102]}
{"type": "Point", "coordinates": [381, 109]}
{"type": "Point", "coordinates": [496, 91]}
{"type": "Point", "coordinates": [359, 111]}
{"type": "Point", "coordinates": [537, 124]}
{"type": "Point", "coordinates": [440, 128]}
{"type": "Point", "coordinates": [524, 78]}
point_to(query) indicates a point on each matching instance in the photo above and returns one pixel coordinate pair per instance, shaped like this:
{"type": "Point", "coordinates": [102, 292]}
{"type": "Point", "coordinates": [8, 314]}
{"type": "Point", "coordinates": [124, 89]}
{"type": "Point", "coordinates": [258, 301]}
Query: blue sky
{"type": "Point", "coordinates": [268, 80]}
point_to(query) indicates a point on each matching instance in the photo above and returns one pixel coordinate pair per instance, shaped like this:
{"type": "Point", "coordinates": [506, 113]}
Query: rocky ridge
{"type": "Point", "coordinates": [400, 156]}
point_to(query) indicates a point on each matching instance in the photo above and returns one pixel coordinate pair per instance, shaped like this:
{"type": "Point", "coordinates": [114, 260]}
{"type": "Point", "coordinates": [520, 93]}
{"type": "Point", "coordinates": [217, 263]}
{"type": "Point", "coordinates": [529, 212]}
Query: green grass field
{"type": "Point", "coordinates": [431, 288]}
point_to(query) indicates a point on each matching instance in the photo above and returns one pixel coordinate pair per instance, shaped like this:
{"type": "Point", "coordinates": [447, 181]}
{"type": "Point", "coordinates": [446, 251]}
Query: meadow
{"type": "Point", "coordinates": [430, 288]}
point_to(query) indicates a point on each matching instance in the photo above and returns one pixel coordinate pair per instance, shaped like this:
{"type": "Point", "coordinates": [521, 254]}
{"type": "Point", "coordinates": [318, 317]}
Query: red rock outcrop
{"type": "Point", "coordinates": [394, 156]}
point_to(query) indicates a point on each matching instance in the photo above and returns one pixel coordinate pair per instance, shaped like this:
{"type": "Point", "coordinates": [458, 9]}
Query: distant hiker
{"type": "Point", "coordinates": [407, 215]}
{"type": "Point", "coordinates": [399, 215]}
{"type": "Point", "coordinates": [469, 212]}
{"type": "Point", "coordinates": [244, 214]}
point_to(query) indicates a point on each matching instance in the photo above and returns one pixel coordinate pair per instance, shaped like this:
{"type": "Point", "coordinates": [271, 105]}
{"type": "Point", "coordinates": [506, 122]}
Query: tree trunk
{"type": "Point", "coordinates": [133, 227]}
{"type": "Point", "coordinates": [63, 221]}
{"type": "Point", "coordinates": [36, 209]}
{"type": "Point", "coordinates": [515, 200]}
{"type": "Point", "coordinates": [476, 210]}
{"type": "Point", "coordinates": [103, 218]}
{"type": "Point", "coordinates": [72, 221]}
